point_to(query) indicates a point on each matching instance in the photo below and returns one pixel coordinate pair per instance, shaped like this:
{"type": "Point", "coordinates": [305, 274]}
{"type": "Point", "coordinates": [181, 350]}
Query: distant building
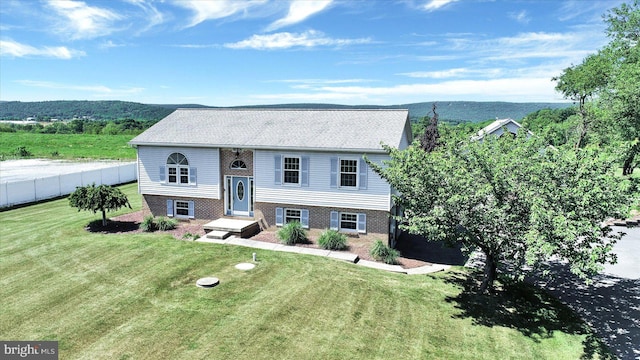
{"type": "Point", "coordinates": [499, 128]}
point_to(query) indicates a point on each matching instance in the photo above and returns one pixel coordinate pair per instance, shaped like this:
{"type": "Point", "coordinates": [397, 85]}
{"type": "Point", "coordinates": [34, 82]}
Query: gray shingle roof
{"type": "Point", "coordinates": [345, 130]}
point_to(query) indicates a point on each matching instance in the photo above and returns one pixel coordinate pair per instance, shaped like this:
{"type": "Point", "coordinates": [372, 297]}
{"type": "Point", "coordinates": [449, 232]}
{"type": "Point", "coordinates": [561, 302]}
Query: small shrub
{"type": "Point", "coordinates": [164, 224]}
{"type": "Point", "coordinates": [190, 236]}
{"type": "Point", "coordinates": [332, 240]}
{"type": "Point", "coordinates": [22, 151]}
{"type": "Point", "coordinates": [148, 224]}
{"type": "Point", "coordinates": [382, 252]}
{"type": "Point", "coordinates": [55, 153]}
{"type": "Point", "coordinates": [292, 233]}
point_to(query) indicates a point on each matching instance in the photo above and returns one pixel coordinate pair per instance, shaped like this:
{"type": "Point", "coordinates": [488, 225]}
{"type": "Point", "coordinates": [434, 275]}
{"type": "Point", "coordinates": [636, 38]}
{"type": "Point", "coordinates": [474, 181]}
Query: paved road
{"type": "Point", "coordinates": [611, 304]}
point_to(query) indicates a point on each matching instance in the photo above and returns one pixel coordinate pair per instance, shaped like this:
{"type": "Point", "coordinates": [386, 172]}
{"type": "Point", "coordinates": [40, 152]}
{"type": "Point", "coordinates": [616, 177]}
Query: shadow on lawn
{"type": "Point", "coordinates": [611, 304]}
{"type": "Point", "coordinates": [523, 307]}
{"type": "Point", "coordinates": [112, 227]}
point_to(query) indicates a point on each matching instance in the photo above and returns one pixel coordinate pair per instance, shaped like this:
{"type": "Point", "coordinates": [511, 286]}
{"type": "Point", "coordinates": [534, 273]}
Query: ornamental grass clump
{"type": "Point", "coordinates": [164, 224]}
{"type": "Point", "coordinates": [382, 252]}
{"type": "Point", "coordinates": [292, 233]}
{"type": "Point", "coordinates": [332, 240]}
{"type": "Point", "coordinates": [148, 224]}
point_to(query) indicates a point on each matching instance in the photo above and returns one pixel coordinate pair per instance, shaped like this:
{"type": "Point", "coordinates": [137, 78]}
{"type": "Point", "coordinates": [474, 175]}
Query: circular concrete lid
{"type": "Point", "coordinates": [207, 282]}
{"type": "Point", "coordinates": [245, 266]}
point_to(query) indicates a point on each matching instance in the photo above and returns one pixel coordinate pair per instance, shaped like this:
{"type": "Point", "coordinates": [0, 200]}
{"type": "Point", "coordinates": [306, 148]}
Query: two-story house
{"type": "Point", "coordinates": [272, 165]}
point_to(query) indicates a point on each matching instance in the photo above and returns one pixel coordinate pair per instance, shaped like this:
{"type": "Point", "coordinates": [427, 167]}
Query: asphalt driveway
{"type": "Point", "coordinates": [611, 304]}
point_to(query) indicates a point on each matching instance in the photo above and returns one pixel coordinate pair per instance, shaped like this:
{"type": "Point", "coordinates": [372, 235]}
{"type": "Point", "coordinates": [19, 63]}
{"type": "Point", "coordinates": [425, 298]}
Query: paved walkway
{"type": "Point", "coordinates": [340, 255]}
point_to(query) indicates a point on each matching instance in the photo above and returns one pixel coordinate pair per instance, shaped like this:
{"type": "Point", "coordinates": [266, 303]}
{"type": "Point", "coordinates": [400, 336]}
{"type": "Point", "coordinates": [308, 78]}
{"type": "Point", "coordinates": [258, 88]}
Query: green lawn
{"type": "Point", "coordinates": [110, 296]}
{"type": "Point", "coordinates": [68, 146]}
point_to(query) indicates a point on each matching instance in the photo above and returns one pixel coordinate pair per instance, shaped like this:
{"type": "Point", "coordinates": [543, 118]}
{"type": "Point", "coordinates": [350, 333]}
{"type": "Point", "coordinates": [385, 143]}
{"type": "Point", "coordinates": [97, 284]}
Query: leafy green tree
{"type": "Point", "coordinates": [622, 97]}
{"type": "Point", "coordinates": [513, 199]}
{"type": "Point", "coordinates": [101, 198]}
{"type": "Point", "coordinates": [582, 83]}
{"type": "Point", "coordinates": [608, 83]}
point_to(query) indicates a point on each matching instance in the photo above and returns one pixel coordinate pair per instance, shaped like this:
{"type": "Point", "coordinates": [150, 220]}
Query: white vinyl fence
{"type": "Point", "coordinates": [27, 191]}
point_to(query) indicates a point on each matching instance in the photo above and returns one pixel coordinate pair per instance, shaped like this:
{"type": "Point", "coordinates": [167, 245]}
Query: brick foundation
{"type": "Point", "coordinates": [319, 217]}
{"type": "Point", "coordinates": [156, 205]}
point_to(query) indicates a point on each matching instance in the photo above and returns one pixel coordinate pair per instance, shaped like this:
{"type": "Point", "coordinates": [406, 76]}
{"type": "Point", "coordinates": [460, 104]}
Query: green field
{"type": "Point", "coordinates": [133, 296]}
{"type": "Point", "coordinates": [68, 146]}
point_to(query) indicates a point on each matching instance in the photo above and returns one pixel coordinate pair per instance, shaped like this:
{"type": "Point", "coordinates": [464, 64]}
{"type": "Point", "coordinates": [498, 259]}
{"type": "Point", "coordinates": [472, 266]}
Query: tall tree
{"type": "Point", "coordinates": [581, 83]}
{"type": "Point", "coordinates": [101, 198]}
{"type": "Point", "coordinates": [622, 97]}
{"type": "Point", "coordinates": [430, 137]}
{"type": "Point", "coordinates": [612, 77]}
{"type": "Point", "coordinates": [513, 199]}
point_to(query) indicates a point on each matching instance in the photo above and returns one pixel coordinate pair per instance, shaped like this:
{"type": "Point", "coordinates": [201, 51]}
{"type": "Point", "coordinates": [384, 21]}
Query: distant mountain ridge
{"type": "Point", "coordinates": [448, 111]}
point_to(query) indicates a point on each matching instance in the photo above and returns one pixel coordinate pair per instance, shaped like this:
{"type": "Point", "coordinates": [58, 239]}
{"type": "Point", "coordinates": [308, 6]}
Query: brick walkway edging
{"type": "Point", "coordinates": [340, 255]}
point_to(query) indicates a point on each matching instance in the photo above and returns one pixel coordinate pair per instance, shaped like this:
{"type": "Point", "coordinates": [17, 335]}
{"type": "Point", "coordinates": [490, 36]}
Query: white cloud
{"type": "Point", "coordinates": [15, 49]}
{"type": "Point", "coordinates": [517, 89]}
{"type": "Point", "coordinates": [211, 10]}
{"type": "Point", "coordinates": [98, 90]}
{"type": "Point", "coordinates": [520, 17]}
{"type": "Point", "coordinates": [152, 14]}
{"type": "Point", "coordinates": [285, 40]}
{"type": "Point", "coordinates": [433, 5]}
{"type": "Point", "coordinates": [81, 21]}
{"type": "Point", "coordinates": [300, 10]}
{"type": "Point", "coordinates": [442, 74]}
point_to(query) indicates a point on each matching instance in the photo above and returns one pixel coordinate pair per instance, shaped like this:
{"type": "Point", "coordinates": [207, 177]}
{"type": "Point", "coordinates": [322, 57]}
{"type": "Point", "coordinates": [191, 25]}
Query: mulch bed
{"type": "Point", "coordinates": [360, 245]}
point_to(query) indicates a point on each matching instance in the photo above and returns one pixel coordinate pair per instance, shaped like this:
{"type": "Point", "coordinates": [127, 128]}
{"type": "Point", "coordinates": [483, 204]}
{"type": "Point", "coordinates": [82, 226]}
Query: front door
{"type": "Point", "coordinates": [241, 193]}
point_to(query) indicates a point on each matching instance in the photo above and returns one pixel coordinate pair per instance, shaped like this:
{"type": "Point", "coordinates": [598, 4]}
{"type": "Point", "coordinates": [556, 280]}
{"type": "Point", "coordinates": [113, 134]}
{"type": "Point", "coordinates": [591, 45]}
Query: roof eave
{"type": "Point", "coordinates": [259, 147]}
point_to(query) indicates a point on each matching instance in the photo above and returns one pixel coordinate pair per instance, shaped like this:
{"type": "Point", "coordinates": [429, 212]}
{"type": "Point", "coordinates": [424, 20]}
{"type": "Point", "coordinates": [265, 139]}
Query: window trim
{"type": "Point", "coordinates": [356, 174]}
{"type": "Point", "coordinates": [286, 216]}
{"type": "Point", "coordinates": [173, 208]}
{"type": "Point", "coordinates": [238, 165]}
{"type": "Point", "coordinates": [284, 170]}
{"type": "Point", "coordinates": [179, 168]}
{"type": "Point", "coordinates": [335, 221]}
{"type": "Point", "coordinates": [179, 205]}
{"type": "Point", "coordinates": [355, 222]}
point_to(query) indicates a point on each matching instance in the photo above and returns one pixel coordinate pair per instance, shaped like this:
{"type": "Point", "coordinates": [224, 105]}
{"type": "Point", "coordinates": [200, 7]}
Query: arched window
{"type": "Point", "coordinates": [178, 169]}
{"type": "Point", "coordinates": [238, 165]}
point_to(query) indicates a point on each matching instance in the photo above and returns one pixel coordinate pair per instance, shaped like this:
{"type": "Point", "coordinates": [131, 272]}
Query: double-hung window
{"type": "Point", "coordinates": [291, 170]}
{"type": "Point", "coordinates": [291, 215]}
{"type": "Point", "coordinates": [348, 173]}
{"type": "Point", "coordinates": [177, 169]}
{"type": "Point", "coordinates": [348, 221]}
{"type": "Point", "coordinates": [182, 208]}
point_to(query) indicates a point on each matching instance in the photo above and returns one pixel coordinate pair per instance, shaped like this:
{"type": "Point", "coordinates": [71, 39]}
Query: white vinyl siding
{"type": "Point", "coordinates": [319, 192]}
{"type": "Point", "coordinates": [203, 172]}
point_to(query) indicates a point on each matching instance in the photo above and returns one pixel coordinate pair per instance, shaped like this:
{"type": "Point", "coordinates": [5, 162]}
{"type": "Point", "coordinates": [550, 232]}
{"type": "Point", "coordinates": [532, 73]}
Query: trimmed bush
{"type": "Point", "coordinates": [332, 240]}
{"type": "Point", "coordinates": [164, 224]}
{"type": "Point", "coordinates": [382, 252]}
{"type": "Point", "coordinates": [292, 233]}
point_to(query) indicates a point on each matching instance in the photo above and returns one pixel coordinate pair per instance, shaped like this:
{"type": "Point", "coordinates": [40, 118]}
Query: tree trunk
{"type": "Point", "coordinates": [104, 217]}
{"type": "Point", "coordinates": [627, 167]}
{"type": "Point", "coordinates": [490, 272]}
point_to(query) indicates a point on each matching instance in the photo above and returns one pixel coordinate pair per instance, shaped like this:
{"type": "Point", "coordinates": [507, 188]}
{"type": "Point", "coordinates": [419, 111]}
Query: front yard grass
{"type": "Point", "coordinates": [68, 146]}
{"type": "Point", "coordinates": [119, 296]}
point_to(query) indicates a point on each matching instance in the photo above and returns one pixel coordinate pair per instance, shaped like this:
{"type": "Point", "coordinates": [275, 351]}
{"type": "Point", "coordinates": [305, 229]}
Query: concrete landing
{"type": "Point", "coordinates": [241, 228]}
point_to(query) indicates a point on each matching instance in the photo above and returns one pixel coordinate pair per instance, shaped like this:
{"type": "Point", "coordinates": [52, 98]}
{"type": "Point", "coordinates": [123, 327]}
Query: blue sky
{"type": "Point", "coordinates": [229, 53]}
